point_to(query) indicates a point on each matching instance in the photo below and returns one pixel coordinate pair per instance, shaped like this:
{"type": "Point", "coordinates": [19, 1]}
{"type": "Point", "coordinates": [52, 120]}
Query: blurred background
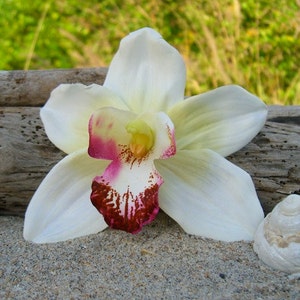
{"type": "Point", "coordinates": [253, 43]}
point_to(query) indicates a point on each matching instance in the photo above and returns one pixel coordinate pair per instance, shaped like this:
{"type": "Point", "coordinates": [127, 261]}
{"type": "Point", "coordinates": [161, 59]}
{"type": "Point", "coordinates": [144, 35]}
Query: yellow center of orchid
{"type": "Point", "coordinates": [142, 138]}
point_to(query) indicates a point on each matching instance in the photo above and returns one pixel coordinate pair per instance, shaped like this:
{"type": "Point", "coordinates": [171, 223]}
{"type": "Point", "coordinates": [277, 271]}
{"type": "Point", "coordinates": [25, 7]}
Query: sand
{"type": "Point", "coordinates": [161, 262]}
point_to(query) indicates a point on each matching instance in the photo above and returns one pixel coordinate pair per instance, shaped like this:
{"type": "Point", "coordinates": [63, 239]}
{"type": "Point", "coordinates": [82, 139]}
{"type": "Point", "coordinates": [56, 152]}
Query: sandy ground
{"type": "Point", "coordinates": [162, 262]}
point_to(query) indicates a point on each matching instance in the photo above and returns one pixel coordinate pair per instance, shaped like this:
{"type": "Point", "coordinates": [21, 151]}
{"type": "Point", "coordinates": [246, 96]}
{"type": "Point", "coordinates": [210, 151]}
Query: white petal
{"type": "Point", "coordinates": [209, 196]}
{"type": "Point", "coordinates": [67, 112]}
{"type": "Point", "coordinates": [223, 120]}
{"type": "Point", "coordinates": [61, 208]}
{"type": "Point", "coordinates": [147, 72]}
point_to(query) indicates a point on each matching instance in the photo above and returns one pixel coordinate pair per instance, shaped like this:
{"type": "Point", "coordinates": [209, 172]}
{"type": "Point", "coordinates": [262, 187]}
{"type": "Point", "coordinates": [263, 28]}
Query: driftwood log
{"type": "Point", "coordinates": [26, 154]}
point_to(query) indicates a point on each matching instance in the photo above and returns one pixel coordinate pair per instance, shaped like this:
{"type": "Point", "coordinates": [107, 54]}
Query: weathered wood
{"type": "Point", "coordinates": [26, 154]}
{"type": "Point", "coordinates": [273, 157]}
{"type": "Point", "coordinates": [32, 88]}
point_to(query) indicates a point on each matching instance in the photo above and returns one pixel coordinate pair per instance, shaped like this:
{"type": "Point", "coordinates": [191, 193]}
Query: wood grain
{"type": "Point", "coordinates": [273, 157]}
{"type": "Point", "coordinates": [32, 88]}
{"type": "Point", "coordinates": [26, 154]}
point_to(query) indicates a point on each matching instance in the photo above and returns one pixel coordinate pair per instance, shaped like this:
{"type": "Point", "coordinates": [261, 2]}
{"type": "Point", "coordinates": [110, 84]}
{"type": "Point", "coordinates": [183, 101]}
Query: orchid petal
{"type": "Point", "coordinates": [67, 112]}
{"type": "Point", "coordinates": [223, 120]}
{"type": "Point", "coordinates": [165, 144]}
{"type": "Point", "coordinates": [209, 196]}
{"type": "Point", "coordinates": [60, 208]}
{"type": "Point", "coordinates": [127, 192]}
{"type": "Point", "coordinates": [147, 72]}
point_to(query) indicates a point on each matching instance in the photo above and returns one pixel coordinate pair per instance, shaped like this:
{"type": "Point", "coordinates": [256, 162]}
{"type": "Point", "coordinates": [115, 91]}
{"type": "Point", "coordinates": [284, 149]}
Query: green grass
{"type": "Point", "coordinates": [247, 42]}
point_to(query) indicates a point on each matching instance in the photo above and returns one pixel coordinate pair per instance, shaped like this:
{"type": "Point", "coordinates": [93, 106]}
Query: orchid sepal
{"type": "Point", "coordinates": [223, 120]}
{"type": "Point", "coordinates": [60, 209]}
{"type": "Point", "coordinates": [209, 196]}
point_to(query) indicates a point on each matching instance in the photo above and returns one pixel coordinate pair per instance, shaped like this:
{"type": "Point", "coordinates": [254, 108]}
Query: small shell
{"type": "Point", "coordinates": [277, 239]}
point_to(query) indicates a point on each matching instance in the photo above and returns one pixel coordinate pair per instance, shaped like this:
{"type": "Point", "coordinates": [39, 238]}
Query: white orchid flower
{"type": "Point", "coordinates": [135, 132]}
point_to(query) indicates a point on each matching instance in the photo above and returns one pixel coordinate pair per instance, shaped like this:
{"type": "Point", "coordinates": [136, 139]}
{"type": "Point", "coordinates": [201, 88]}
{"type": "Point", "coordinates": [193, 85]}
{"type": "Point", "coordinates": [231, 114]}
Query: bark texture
{"type": "Point", "coordinates": [32, 88]}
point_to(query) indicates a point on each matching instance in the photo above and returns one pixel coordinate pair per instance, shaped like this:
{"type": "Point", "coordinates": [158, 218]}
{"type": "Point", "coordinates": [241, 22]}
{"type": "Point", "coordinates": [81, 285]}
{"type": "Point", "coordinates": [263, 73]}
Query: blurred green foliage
{"type": "Point", "coordinates": [248, 42]}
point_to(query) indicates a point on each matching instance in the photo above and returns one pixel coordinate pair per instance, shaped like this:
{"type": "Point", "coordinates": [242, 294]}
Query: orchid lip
{"type": "Point", "coordinates": [126, 194]}
{"type": "Point", "coordinates": [125, 212]}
